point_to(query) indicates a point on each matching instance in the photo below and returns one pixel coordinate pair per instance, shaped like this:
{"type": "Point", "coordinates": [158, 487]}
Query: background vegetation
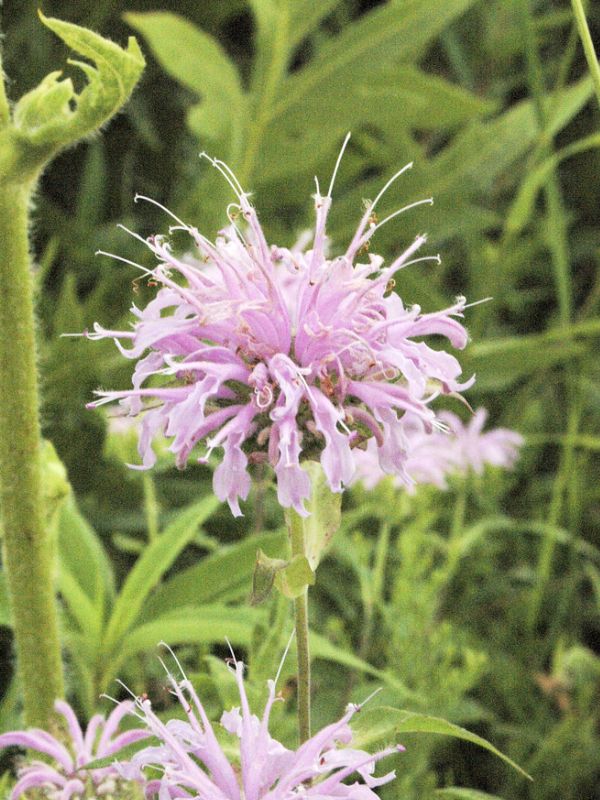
{"type": "Point", "coordinates": [480, 605]}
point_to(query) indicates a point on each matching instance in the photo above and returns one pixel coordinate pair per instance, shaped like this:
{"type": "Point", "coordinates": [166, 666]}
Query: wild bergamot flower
{"type": "Point", "coordinates": [277, 355]}
{"type": "Point", "coordinates": [456, 450]}
{"type": "Point", "coordinates": [60, 776]}
{"type": "Point", "coordinates": [190, 761]}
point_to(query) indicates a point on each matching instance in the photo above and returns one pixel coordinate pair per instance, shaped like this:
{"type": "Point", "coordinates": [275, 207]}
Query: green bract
{"type": "Point", "coordinates": [54, 115]}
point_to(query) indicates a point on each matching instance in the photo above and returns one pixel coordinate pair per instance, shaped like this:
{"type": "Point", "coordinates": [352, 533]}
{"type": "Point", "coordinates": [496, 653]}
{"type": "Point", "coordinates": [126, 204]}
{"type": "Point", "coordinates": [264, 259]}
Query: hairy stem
{"type": "Point", "coordinates": [27, 551]}
{"type": "Point", "coordinates": [297, 546]}
{"type": "Point", "coordinates": [4, 106]}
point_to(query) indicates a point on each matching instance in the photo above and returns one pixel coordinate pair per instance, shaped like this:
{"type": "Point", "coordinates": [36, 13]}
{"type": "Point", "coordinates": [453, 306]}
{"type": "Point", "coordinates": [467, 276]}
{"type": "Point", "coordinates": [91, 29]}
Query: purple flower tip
{"type": "Point", "coordinates": [191, 762]}
{"type": "Point", "coordinates": [275, 354]}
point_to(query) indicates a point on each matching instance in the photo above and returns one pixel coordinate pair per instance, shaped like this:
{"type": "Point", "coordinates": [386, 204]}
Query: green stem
{"type": "Point", "coordinates": [151, 507]}
{"type": "Point", "coordinates": [26, 548]}
{"type": "Point", "coordinates": [558, 244]}
{"type": "Point", "coordinates": [298, 547]}
{"type": "Point", "coordinates": [265, 85]}
{"type": "Point", "coordinates": [588, 45]}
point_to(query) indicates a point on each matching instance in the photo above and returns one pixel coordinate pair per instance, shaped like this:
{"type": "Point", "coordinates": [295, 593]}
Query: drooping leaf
{"type": "Point", "coordinates": [376, 725]}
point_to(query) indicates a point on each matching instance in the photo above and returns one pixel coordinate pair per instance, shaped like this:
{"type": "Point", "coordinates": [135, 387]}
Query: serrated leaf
{"type": "Point", "coordinates": [53, 115]}
{"type": "Point", "coordinates": [198, 62]}
{"type": "Point", "coordinates": [386, 724]}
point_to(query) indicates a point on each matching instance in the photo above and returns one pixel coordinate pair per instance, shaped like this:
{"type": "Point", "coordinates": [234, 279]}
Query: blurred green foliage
{"type": "Point", "coordinates": [481, 605]}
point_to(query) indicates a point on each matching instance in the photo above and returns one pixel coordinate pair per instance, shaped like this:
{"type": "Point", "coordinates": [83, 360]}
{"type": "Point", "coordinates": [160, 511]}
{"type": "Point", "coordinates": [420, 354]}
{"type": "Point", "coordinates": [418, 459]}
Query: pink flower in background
{"type": "Point", "coordinates": [192, 763]}
{"type": "Point", "coordinates": [62, 778]}
{"type": "Point", "coordinates": [433, 457]}
{"type": "Point", "coordinates": [278, 355]}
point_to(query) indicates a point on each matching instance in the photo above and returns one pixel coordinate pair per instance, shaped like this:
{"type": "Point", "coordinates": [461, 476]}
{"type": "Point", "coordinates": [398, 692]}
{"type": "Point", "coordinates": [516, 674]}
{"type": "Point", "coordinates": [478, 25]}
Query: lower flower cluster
{"type": "Point", "coordinates": [189, 761]}
{"type": "Point", "coordinates": [184, 757]}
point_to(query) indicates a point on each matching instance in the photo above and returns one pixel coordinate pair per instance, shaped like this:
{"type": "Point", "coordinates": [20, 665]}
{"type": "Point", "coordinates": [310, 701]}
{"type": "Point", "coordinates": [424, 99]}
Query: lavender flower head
{"type": "Point", "coordinates": [192, 763]}
{"type": "Point", "coordinates": [455, 450]}
{"type": "Point", "coordinates": [63, 778]}
{"type": "Point", "coordinates": [275, 354]}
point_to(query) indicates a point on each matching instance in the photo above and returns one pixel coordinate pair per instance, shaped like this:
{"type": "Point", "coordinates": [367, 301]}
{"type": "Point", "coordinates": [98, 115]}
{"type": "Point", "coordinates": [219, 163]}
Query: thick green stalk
{"type": "Point", "coordinates": [588, 45]}
{"type": "Point", "coordinates": [26, 548]}
{"type": "Point", "coordinates": [4, 107]}
{"type": "Point", "coordinates": [298, 548]}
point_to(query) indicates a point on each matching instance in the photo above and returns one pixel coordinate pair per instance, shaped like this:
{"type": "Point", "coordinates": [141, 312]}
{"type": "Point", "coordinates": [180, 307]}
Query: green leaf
{"type": "Point", "coordinates": [306, 15]}
{"type": "Point", "coordinates": [295, 577]}
{"type": "Point", "coordinates": [194, 625]}
{"type": "Point", "coordinates": [396, 98]}
{"type": "Point", "coordinates": [320, 647]}
{"type": "Point", "coordinates": [53, 115]}
{"type": "Point", "coordinates": [56, 486]}
{"type": "Point", "coordinates": [325, 509]}
{"type": "Point", "coordinates": [223, 576]}
{"type": "Point", "coordinates": [485, 150]}
{"type": "Point", "coordinates": [82, 555]}
{"type": "Point", "coordinates": [199, 63]}
{"type": "Point", "coordinates": [151, 566]}
{"type": "Point", "coordinates": [263, 578]}
{"type": "Point", "coordinates": [397, 29]}
{"type": "Point", "coordinates": [338, 88]}
{"type": "Point", "coordinates": [522, 207]}
{"type": "Point", "coordinates": [88, 615]}
{"type": "Point", "coordinates": [10, 708]}
{"type": "Point", "coordinates": [386, 724]}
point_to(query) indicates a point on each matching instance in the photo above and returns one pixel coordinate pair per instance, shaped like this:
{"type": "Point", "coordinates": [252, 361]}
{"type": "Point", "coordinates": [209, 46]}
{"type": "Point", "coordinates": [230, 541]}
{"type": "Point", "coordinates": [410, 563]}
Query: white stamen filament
{"type": "Point", "coordinates": [337, 165]}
